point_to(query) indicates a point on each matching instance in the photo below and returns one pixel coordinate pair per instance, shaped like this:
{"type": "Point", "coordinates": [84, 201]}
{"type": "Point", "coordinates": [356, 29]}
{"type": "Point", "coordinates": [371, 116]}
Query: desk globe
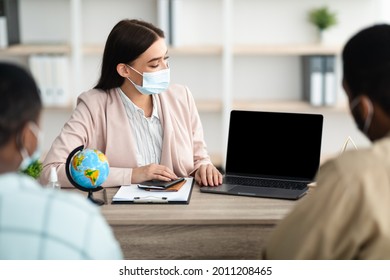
{"type": "Point", "coordinates": [87, 169]}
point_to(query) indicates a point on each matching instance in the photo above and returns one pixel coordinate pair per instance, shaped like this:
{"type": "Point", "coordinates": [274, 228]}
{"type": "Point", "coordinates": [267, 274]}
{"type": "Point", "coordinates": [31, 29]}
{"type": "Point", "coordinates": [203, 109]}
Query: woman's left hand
{"type": "Point", "coordinates": [208, 175]}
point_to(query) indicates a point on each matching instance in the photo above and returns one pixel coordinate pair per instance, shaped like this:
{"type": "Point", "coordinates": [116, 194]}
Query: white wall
{"type": "Point", "coordinates": [100, 16]}
{"type": "Point", "coordinates": [285, 21]}
{"type": "Point", "coordinates": [200, 22]}
{"type": "Point", "coordinates": [44, 21]}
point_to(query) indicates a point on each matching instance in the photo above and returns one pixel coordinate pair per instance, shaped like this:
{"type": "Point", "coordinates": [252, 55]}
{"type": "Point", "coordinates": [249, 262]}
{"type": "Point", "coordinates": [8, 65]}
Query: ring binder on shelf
{"type": "Point", "coordinates": [319, 79]}
{"type": "Point", "coordinates": [9, 23]}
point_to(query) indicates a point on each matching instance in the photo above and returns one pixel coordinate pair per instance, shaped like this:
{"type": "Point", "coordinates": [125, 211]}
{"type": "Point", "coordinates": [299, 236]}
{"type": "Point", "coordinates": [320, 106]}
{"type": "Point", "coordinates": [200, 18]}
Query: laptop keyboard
{"type": "Point", "coordinates": [265, 183]}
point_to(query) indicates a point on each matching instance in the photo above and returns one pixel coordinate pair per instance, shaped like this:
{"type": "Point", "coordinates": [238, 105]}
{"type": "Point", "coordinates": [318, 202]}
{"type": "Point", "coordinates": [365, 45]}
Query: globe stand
{"type": "Point", "coordinates": [88, 190]}
{"type": "Point", "coordinates": [95, 200]}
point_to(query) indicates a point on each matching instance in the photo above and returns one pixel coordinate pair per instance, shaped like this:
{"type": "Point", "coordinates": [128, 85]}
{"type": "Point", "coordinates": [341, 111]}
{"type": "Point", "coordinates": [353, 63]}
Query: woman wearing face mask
{"type": "Point", "coordinates": [31, 214]}
{"type": "Point", "coordinates": [147, 128]}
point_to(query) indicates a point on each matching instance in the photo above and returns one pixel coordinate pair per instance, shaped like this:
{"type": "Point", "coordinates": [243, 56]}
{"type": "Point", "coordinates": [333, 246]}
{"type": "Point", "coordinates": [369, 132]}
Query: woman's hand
{"type": "Point", "coordinates": [208, 175]}
{"type": "Point", "coordinates": [152, 172]}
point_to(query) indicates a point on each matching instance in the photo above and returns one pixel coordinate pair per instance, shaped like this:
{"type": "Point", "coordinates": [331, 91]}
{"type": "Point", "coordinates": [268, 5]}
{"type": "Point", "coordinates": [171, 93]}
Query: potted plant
{"type": "Point", "coordinates": [323, 19]}
{"type": "Point", "coordinates": [34, 169]}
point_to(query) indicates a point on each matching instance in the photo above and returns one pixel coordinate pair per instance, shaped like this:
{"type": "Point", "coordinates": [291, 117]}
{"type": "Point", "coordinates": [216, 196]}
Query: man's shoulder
{"type": "Point", "coordinates": [343, 166]}
{"type": "Point", "coordinates": [22, 185]}
{"type": "Point", "coordinates": [365, 158]}
{"type": "Point", "coordinates": [352, 167]}
{"type": "Point", "coordinates": [64, 217]}
{"type": "Point", "coordinates": [70, 200]}
{"type": "Point", "coordinates": [16, 182]}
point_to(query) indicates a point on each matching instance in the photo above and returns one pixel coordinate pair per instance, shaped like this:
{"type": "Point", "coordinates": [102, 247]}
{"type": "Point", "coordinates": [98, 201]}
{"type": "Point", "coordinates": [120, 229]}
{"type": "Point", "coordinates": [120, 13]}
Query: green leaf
{"type": "Point", "coordinates": [34, 169]}
{"type": "Point", "coordinates": [322, 18]}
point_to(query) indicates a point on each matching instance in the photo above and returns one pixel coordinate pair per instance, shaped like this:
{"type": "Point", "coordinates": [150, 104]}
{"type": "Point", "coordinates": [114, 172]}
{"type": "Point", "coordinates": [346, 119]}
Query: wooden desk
{"type": "Point", "coordinates": [212, 226]}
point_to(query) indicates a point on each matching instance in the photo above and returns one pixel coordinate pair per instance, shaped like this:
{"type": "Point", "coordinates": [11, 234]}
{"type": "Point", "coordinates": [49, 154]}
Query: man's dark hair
{"type": "Point", "coordinates": [20, 100]}
{"type": "Point", "coordinates": [125, 43]}
{"type": "Point", "coordinates": [366, 63]}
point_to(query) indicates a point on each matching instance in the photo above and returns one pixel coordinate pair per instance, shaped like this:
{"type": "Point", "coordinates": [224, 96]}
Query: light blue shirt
{"type": "Point", "coordinates": [38, 223]}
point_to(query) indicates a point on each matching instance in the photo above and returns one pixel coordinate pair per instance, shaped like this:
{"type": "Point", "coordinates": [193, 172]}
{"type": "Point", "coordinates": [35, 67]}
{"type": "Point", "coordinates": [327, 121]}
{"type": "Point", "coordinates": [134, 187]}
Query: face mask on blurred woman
{"type": "Point", "coordinates": [27, 160]}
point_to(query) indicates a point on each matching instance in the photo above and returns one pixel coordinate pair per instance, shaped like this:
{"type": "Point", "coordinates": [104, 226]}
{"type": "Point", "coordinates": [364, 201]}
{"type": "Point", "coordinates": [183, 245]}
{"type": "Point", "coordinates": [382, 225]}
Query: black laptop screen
{"type": "Point", "coordinates": [274, 144]}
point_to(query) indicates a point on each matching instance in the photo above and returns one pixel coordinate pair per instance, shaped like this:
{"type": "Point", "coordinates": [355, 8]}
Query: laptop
{"type": "Point", "coordinates": [271, 154]}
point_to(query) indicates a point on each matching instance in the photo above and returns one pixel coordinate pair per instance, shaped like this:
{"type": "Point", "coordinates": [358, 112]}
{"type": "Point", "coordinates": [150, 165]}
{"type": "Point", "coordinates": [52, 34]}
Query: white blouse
{"type": "Point", "coordinates": [148, 132]}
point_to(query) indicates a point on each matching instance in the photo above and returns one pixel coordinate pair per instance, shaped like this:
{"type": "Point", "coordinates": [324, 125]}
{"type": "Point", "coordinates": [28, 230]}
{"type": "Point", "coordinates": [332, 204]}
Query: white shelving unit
{"type": "Point", "coordinates": [29, 49]}
{"type": "Point", "coordinates": [233, 54]}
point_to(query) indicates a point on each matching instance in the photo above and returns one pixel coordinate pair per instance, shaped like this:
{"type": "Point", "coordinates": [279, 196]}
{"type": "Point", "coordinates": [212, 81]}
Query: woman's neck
{"type": "Point", "coordinates": [145, 102]}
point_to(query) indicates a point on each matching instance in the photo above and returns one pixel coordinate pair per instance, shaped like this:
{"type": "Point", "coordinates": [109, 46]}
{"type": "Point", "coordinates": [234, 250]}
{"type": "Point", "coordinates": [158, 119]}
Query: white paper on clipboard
{"type": "Point", "coordinates": [133, 194]}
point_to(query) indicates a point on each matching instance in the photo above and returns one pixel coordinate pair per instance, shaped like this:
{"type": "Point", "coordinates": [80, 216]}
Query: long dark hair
{"type": "Point", "coordinates": [125, 43]}
{"type": "Point", "coordinates": [20, 100]}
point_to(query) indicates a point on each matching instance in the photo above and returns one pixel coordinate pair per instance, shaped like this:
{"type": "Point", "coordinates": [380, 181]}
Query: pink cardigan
{"type": "Point", "coordinates": [100, 122]}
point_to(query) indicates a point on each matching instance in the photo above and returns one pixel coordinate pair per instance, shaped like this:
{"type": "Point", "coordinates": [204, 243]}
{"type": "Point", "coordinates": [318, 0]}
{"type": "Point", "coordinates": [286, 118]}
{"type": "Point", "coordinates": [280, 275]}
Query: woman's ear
{"type": "Point", "coordinates": [123, 70]}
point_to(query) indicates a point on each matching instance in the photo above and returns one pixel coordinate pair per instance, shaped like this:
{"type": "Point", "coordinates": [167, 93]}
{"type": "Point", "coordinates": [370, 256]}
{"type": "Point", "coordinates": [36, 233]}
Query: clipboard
{"type": "Point", "coordinates": [131, 194]}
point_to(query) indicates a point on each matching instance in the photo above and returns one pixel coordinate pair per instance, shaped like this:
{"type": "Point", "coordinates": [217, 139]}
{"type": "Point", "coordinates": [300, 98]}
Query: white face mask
{"type": "Point", "coordinates": [153, 82]}
{"type": "Point", "coordinates": [27, 160]}
{"type": "Point", "coordinates": [370, 113]}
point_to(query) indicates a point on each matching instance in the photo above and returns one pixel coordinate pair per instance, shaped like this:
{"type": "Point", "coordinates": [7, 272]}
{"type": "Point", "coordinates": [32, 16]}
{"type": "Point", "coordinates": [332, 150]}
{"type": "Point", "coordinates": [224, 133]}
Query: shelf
{"type": "Point", "coordinates": [211, 106]}
{"type": "Point", "coordinates": [30, 49]}
{"type": "Point", "coordinates": [196, 50]}
{"type": "Point", "coordinates": [314, 49]}
{"type": "Point", "coordinates": [185, 50]}
{"type": "Point", "coordinates": [93, 49]}
{"type": "Point", "coordinates": [287, 106]}
{"type": "Point", "coordinates": [287, 49]}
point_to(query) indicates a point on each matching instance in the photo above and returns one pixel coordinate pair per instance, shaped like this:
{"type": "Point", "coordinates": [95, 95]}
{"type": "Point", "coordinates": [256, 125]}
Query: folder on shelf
{"type": "Point", "coordinates": [61, 80]}
{"type": "Point", "coordinates": [37, 67]}
{"type": "Point", "coordinates": [313, 79]}
{"type": "Point", "coordinates": [163, 17]}
{"type": "Point", "coordinates": [131, 194]}
{"type": "Point", "coordinates": [167, 19]}
{"type": "Point", "coordinates": [329, 80]}
{"type": "Point", "coordinates": [3, 26]}
{"type": "Point", "coordinates": [319, 79]}
{"type": "Point", "coordinates": [47, 78]}
{"type": "Point", "coordinates": [9, 23]}
{"type": "Point", "coordinates": [52, 75]}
